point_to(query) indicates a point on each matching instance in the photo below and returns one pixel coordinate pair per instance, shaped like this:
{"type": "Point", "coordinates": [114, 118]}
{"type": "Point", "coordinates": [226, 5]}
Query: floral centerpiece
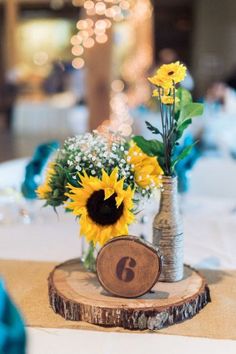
{"type": "Point", "coordinates": [177, 110]}
{"type": "Point", "coordinates": [100, 179]}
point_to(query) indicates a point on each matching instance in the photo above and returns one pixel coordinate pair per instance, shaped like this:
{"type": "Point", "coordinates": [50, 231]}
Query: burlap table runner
{"type": "Point", "coordinates": [27, 283]}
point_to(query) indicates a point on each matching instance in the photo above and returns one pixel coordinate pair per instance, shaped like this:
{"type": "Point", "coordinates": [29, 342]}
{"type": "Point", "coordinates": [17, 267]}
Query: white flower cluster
{"type": "Point", "coordinates": [92, 152]}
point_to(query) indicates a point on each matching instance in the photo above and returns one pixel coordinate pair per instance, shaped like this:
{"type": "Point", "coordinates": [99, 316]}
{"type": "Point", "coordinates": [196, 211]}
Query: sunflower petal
{"type": "Point", "coordinates": [108, 193]}
{"type": "Point", "coordinates": [119, 200]}
{"type": "Point", "coordinates": [114, 176]}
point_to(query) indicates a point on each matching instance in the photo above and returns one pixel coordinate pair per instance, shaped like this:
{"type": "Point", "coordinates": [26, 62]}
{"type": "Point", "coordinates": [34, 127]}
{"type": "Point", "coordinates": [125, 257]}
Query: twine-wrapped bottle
{"type": "Point", "coordinates": [168, 232]}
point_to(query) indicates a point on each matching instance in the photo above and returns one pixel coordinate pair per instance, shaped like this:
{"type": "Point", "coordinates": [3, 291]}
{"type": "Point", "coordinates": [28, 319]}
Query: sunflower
{"type": "Point", "coordinates": [147, 171]}
{"type": "Point", "coordinates": [104, 207]}
{"type": "Point", "coordinates": [45, 189]}
{"type": "Point", "coordinates": [169, 73]}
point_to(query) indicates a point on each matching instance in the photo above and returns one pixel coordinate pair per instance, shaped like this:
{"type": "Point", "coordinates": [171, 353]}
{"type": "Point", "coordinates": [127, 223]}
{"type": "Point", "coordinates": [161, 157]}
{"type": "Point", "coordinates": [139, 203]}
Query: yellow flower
{"type": "Point", "coordinates": [155, 93]}
{"type": "Point", "coordinates": [169, 99]}
{"type": "Point", "coordinates": [166, 98]}
{"type": "Point", "coordinates": [44, 190]}
{"type": "Point", "coordinates": [168, 73]}
{"type": "Point", "coordinates": [104, 206]}
{"type": "Point", "coordinates": [147, 171]}
{"type": "Point", "coordinates": [157, 81]}
{"type": "Point", "coordinates": [166, 92]}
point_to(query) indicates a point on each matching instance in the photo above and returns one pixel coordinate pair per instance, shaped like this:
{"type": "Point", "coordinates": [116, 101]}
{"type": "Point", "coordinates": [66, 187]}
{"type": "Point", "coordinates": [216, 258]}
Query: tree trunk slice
{"type": "Point", "coordinates": [77, 295]}
{"type": "Point", "coordinates": [128, 266]}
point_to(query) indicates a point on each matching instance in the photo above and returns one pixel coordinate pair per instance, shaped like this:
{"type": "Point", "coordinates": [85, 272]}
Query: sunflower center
{"type": "Point", "coordinates": [171, 73]}
{"type": "Point", "coordinates": [104, 212]}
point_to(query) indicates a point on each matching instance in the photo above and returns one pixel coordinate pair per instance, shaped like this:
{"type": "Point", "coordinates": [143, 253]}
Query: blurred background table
{"type": "Point", "coordinates": [50, 117]}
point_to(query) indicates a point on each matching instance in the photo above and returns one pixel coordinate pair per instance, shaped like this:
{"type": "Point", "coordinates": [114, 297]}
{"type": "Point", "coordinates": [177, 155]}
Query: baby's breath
{"type": "Point", "coordinates": [91, 153]}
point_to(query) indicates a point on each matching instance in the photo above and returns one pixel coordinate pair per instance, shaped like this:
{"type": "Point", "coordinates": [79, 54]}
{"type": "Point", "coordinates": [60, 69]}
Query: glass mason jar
{"type": "Point", "coordinates": [89, 255]}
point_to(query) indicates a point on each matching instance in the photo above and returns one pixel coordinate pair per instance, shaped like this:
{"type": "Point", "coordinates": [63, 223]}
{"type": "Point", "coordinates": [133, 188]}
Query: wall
{"type": "Point", "coordinates": [214, 41]}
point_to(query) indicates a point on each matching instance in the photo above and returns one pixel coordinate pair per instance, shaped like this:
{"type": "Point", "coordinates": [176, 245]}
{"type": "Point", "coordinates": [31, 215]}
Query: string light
{"type": "Point", "coordinates": [76, 40]}
{"type": "Point", "coordinates": [89, 43]}
{"type": "Point", "coordinates": [95, 31]}
{"type": "Point", "coordinates": [88, 5]}
{"type": "Point", "coordinates": [92, 30]}
{"type": "Point", "coordinates": [78, 63]}
{"type": "Point", "coordinates": [133, 71]}
{"type": "Point", "coordinates": [77, 50]}
{"type": "Point", "coordinates": [120, 119]}
{"type": "Point", "coordinates": [135, 68]}
{"type": "Point", "coordinates": [102, 38]}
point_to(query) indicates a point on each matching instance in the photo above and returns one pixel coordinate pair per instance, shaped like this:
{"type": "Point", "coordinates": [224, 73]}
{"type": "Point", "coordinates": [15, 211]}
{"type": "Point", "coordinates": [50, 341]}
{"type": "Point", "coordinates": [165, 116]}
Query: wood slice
{"type": "Point", "coordinates": [128, 267]}
{"type": "Point", "coordinates": [77, 295]}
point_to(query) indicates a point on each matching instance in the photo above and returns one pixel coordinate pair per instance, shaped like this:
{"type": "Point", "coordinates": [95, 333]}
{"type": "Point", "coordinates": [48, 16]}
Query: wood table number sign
{"type": "Point", "coordinates": [128, 267]}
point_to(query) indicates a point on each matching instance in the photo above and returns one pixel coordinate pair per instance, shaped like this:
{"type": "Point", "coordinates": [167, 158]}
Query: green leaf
{"type": "Point", "coordinates": [153, 129]}
{"type": "Point", "coordinates": [190, 110]}
{"type": "Point", "coordinates": [181, 128]}
{"type": "Point", "coordinates": [184, 96]}
{"type": "Point", "coordinates": [161, 161]}
{"type": "Point", "coordinates": [149, 147]}
{"type": "Point", "coordinates": [69, 178]}
{"type": "Point", "coordinates": [182, 155]}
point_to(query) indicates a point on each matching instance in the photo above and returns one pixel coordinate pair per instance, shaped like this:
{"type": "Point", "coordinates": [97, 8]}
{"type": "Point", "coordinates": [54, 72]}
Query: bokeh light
{"type": "Point", "coordinates": [117, 85]}
{"type": "Point", "coordinates": [78, 63]}
{"type": "Point", "coordinates": [89, 43]}
{"type": "Point", "coordinates": [88, 5]}
{"type": "Point", "coordinates": [102, 38]}
{"type": "Point", "coordinates": [40, 58]}
{"type": "Point", "coordinates": [77, 50]}
{"type": "Point", "coordinates": [93, 31]}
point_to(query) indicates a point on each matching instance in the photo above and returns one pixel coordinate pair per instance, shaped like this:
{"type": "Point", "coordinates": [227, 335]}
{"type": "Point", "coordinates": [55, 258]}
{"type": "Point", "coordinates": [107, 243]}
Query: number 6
{"type": "Point", "coordinates": [123, 271]}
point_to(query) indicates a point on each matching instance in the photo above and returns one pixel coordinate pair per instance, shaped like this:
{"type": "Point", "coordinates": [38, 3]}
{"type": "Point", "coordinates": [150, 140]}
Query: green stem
{"type": "Point", "coordinates": [164, 128]}
{"type": "Point", "coordinates": [168, 126]}
{"type": "Point", "coordinates": [90, 259]}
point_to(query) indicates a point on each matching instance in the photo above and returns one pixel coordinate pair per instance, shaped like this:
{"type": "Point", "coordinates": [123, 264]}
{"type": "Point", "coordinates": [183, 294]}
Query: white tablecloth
{"type": "Point", "coordinates": [210, 241]}
{"type": "Point", "coordinates": [53, 117]}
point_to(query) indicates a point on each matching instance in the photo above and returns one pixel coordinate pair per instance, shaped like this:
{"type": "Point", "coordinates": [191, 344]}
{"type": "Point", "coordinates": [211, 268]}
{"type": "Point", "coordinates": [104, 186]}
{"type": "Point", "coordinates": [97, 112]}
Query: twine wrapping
{"type": "Point", "coordinates": [168, 232]}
